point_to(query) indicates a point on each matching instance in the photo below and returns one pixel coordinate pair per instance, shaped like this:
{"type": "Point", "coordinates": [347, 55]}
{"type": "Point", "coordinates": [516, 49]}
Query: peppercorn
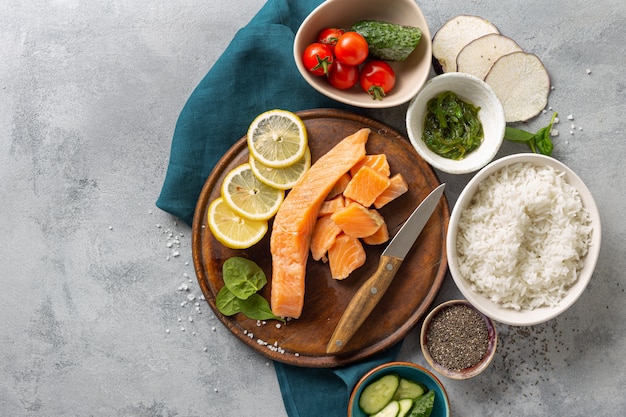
{"type": "Point", "coordinates": [457, 337]}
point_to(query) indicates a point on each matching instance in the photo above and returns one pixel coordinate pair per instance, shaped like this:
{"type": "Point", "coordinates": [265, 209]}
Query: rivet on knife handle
{"type": "Point", "coordinates": [363, 302]}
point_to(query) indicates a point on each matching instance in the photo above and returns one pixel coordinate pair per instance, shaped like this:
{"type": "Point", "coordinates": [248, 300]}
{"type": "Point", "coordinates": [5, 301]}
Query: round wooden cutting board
{"type": "Point", "coordinates": [303, 341]}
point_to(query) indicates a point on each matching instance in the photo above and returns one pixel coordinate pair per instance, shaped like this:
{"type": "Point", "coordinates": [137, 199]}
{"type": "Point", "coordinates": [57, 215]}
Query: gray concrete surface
{"type": "Point", "coordinates": [90, 269]}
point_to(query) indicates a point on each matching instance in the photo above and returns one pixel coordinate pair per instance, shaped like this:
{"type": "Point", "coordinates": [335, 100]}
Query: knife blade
{"type": "Point", "coordinates": [372, 290]}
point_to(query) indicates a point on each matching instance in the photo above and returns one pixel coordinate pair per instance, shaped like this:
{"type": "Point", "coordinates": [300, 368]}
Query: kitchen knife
{"type": "Point", "coordinates": [370, 293]}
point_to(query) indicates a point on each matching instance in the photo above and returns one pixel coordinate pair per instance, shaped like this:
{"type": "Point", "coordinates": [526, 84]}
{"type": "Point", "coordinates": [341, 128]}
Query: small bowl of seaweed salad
{"type": "Point", "coordinates": [399, 389]}
{"type": "Point", "coordinates": [457, 340]}
{"type": "Point", "coordinates": [456, 123]}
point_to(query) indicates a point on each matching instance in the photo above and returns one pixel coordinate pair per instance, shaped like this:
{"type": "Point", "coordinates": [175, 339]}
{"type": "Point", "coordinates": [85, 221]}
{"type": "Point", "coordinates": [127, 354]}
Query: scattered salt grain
{"type": "Point", "coordinates": [588, 71]}
{"type": "Point", "coordinates": [167, 331]}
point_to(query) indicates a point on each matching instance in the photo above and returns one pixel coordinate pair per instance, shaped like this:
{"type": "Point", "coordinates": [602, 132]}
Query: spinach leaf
{"type": "Point", "coordinates": [227, 303]}
{"type": "Point", "coordinates": [243, 277]}
{"type": "Point", "coordinates": [540, 142]}
{"type": "Point", "coordinates": [256, 307]}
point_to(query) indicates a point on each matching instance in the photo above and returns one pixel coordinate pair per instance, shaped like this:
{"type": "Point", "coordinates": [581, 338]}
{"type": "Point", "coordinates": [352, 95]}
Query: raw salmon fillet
{"type": "Point", "coordinates": [324, 235]}
{"type": "Point", "coordinates": [377, 161]}
{"type": "Point", "coordinates": [366, 185]}
{"type": "Point", "coordinates": [339, 186]}
{"type": "Point", "coordinates": [379, 237]}
{"type": "Point", "coordinates": [295, 220]}
{"type": "Point", "coordinates": [397, 187]}
{"type": "Point", "coordinates": [346, 255]}
{"type": "Point", "coordinates": [357, 221]}
{"type": "Point", "coordinates": [332, 205]}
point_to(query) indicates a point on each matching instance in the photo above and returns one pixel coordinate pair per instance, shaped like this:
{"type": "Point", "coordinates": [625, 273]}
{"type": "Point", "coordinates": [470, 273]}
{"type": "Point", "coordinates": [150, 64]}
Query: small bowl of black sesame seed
{"type": "Point", "coordinates": [458, 341]}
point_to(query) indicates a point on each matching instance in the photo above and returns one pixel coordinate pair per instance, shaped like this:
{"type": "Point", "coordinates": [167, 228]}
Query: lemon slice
{"type": "Point", "coordinates": [248, 196]}
{"type": "Point", "coordinates": [281, 178]}
{"type": "Point", "coordinates": [277, 138]}
{"type": "Point", "coordinates": [232, 230]}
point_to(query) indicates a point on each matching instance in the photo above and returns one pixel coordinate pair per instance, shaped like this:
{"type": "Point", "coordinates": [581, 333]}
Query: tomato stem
{"type": "Point", "coordinates": [323, 63]}
{"type": "Point", "coordinates": [376, 92]}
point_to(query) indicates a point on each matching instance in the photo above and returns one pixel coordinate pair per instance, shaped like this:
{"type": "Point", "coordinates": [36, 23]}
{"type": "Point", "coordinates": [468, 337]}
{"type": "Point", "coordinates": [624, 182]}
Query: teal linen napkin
{"type": "Point", "coordinates": [256, 73]}
{"type": "Point", "coordinates": [324, 392]}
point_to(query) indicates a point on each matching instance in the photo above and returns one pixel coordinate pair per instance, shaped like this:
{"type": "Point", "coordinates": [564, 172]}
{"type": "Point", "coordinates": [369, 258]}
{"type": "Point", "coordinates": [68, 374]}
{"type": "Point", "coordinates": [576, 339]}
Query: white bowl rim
{"type": "Point", "coordinates": [542, 314]}
{"type": "Point", "coordinates": [469, 164]}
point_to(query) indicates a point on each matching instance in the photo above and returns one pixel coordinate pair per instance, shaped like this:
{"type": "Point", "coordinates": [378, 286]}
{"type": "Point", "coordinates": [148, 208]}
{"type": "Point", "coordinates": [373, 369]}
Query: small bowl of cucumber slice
{"type": "Point", "coordinates": [399, 389]}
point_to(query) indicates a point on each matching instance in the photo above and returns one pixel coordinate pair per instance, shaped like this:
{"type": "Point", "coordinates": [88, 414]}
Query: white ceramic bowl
{"type": "Point", "coordinates": [495, 310]}
{"type": "Point", "coordinates": [411, 74]}
{"type": "Point", "coordinates": [491, 115]}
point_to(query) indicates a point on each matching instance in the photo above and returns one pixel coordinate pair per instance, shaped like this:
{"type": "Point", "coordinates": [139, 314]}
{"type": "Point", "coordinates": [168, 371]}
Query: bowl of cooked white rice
{"type": "Point", "coordinates": [523, 239]}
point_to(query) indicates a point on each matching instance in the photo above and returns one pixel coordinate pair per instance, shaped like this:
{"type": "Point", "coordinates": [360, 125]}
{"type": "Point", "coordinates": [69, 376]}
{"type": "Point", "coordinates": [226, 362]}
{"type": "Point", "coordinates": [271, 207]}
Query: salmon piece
{"type": "Point", "coordinates": [377, 161]}
{"type": "Point", "coordinates": [332, 205]}
{"type": "Point", "coordinates": [339, 186]}
{"type": "Point", "coordinates": [397, 187]}
{"type": "Point", "coordinates": [323, 237]}
{"type": "Point", "coordinates": [346, 255]}
{"type": "Point", "coordinates": [293, 224]}
{"type": "Point", "coordinates": [366, 185]}
{"type": "Point", "coordinates": [357, 221]}
{"type": "Point", "coordinates": [379, 237]}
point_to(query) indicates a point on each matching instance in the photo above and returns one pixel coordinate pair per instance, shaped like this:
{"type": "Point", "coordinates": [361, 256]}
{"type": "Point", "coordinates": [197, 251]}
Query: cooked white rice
{"type": "Point", "coordinates": [523, 238]}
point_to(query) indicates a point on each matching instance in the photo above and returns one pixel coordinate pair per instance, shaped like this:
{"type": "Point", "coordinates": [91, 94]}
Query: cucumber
{"type": "Point", "coordinates": [405, 407]}
{"type": "Point", "coordinates": [423, 406]}
{"type": "Point", "coordinates": [379, 393]}
{"type": "Point", "coordinates": [409, 389]}
{"type": "Point", "coordinates": [390, 410]}
{"type": "Point", "coordinates": [388, 41]}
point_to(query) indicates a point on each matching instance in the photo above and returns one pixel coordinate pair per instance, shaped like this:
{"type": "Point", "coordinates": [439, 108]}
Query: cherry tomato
{"type": "Point", "coordinates": [330, 36]}
{"type": "Point", "coordinates": [377, 79]}
{"type": "Point", "coordinates": [351, 48]}
{"type": "Point", "coordinates": [342, 76]}
{"type": "Point", "coordinates": [317, 58]}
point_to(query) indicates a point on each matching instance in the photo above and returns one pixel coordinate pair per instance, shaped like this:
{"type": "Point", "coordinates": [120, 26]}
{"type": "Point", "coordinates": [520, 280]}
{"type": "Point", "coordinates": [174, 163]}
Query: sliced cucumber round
{"type": "Point", "coordinates": [376, 395]}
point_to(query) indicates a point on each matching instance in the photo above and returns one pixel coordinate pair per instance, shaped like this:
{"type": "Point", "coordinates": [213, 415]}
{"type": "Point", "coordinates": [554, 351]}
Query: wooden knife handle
{"type": "Point", "coordinates": [363, 302]}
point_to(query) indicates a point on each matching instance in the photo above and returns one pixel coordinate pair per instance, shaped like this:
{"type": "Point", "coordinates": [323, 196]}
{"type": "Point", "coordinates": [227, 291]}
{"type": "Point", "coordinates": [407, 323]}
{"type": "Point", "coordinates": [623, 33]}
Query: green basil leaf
{"type": "Point", "coordinates": [243, 277]}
